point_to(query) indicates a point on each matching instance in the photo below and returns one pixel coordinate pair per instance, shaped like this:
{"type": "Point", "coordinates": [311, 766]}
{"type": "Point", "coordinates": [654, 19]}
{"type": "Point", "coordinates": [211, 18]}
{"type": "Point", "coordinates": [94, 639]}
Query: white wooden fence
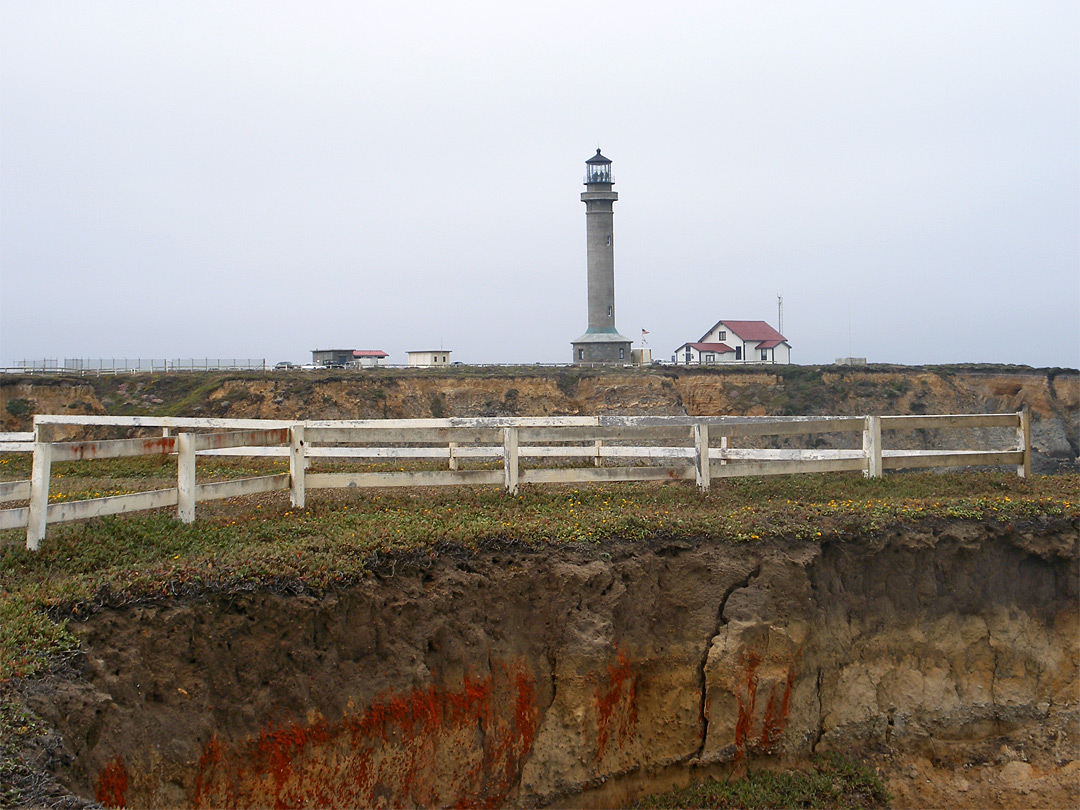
{"type": "Point", "coordinates": [620, 448]}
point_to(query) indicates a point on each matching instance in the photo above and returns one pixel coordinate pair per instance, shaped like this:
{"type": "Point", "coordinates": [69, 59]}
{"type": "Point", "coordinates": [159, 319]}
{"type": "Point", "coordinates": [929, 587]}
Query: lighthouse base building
{"type": "Point", "coordinates": [602, 347]}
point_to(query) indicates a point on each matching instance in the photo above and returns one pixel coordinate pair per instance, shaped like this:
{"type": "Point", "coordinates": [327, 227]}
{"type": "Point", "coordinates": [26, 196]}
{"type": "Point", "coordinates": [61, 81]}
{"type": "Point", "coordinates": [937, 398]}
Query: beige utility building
{"type": "Point", "coordinates": [429, 358]}
{"type": "Point", "coordinates": [601, 343]}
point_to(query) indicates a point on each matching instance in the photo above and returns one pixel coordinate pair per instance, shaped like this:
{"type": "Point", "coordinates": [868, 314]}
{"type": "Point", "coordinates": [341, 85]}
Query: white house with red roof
{"type": "Point", "coordinates": [735, 342]}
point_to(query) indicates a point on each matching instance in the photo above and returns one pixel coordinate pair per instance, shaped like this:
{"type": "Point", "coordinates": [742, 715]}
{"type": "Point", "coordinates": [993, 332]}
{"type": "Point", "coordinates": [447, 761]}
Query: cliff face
{"type": "Point", "coordinates": [576, 674]}
{"type": "Point", "coordinates": [1052, 395]}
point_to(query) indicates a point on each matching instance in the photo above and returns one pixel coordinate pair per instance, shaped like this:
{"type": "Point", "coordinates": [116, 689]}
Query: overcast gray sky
{"type": "Point", "coordinates": [259, 179]}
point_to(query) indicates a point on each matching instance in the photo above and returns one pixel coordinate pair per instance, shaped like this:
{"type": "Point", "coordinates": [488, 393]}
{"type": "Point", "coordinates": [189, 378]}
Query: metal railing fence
{"type": "Point", "coordinates": [134, 365]}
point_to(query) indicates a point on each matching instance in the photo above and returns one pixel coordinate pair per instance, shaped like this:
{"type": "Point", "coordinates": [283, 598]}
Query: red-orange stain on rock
{"type": "Point", "coordinates": [206, 785]}
{"type": "Point", "coordinates": [428, 746]}
{"type": "Point", "coordinates": [776, 713]}
{"type": "Point", "coordinates": [746, 697]}
{"type": "Point", "coordinates": [112, 784]}
{"type": "Point", "coordinates": [616, 707]}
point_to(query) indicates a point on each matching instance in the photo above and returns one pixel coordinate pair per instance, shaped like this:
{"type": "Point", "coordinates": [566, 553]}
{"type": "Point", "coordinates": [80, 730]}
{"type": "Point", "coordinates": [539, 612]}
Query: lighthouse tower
{"type": "Point", "coordinates": [601, 343]}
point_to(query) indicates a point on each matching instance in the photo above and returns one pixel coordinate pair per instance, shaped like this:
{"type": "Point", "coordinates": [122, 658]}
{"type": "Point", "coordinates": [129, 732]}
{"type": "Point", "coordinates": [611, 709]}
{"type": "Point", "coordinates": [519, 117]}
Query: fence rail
{"type": "Point", "coordinates": [621, 448]}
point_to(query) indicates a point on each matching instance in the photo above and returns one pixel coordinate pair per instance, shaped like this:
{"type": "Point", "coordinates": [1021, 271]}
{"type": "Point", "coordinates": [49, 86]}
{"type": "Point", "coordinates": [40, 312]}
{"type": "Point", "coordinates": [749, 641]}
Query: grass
{"type": "Point", "coordinates": [260, 541]}
{"type": "Point", "coordinates": [831, 782]}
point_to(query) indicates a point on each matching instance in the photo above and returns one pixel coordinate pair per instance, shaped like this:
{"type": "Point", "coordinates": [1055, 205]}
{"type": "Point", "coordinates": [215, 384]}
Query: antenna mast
{"type": "Point", "coordinates": [780, 314]}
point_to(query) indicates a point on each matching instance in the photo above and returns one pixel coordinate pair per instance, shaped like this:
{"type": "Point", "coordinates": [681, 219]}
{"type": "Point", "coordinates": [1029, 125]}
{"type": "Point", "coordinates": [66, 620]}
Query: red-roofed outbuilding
{"type": "Point", "coordinates": [736, 342]}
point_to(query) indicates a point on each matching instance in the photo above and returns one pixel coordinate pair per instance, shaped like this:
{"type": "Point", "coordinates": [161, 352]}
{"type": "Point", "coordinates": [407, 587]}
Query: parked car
{"type": "Point", "coordinates": [284, 365]}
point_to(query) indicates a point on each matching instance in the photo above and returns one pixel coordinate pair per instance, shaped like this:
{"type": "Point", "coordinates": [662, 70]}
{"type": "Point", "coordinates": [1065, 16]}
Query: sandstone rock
{"type": "Point", "coordinates": [1016, 773]}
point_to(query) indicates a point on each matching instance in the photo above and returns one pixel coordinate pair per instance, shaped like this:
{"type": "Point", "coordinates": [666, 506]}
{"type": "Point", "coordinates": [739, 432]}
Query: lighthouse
{"type": "Point", "coordinates": [601, 342]}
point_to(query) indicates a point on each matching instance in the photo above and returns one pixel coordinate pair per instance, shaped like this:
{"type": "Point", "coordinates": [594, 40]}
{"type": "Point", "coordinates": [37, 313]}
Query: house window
{"type": "Point", "coordinates": [580, 354]}
{"type": "Point", "coordinates": [622, 353]}
{"type": "Point", "coordinates": [738, 352]}
{"type": "Point", "coordinates": [609, 241]}
{"type": "Point", "coordinates": [721, 335]}
{"type": "Point", "coordinates": [687, 355]}
{"type": "Point", "coordinates": [710, 358]}
{"type": "Point", "coordinates": [609, 311]}
{"type": "Point", "coordinates": [764, 354]}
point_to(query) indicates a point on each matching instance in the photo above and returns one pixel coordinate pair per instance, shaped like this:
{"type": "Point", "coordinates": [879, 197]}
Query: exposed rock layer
{"type": "Point", "coordinates": [1052, 395]}
{"type": "Point", "coordinates": [519, 676]}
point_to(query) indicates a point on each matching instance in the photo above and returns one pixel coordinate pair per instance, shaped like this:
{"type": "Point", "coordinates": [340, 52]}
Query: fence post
{"type": "Point", "coordinates": [297, 465]}
{"type": "Point", "coordinates": [701, 454]}
{"type": "Point", "coordinates": [871, 443]}
{"type": "Point", "coordinates": [453, 456]}
{"type": "Point", "coordinates": [185, 477]}
{"type": "Point", "coordinates": [510, 460]}
{"type": "Point", "coordinates": [39, 493]}
{"type": "Point", "coordinates": [1023, 442]}
{"type": "Point", "coordinates": [598, 459]}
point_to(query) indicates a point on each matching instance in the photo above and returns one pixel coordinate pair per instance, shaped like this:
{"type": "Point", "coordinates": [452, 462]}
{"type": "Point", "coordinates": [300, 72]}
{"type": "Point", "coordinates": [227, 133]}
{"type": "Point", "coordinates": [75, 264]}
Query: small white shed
{"type": "Point", "coordinates": [429, 358]}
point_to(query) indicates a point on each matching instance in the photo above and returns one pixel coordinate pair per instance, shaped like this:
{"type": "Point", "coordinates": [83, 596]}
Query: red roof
{"type": "Point", "coordinates": [719, 348]}
{"type": "Point", "coordinates": [369, 353]}
{"type": "Point", "coordinates": [768, 344]}
{"type": "Point", "coordinates": [749, 330]}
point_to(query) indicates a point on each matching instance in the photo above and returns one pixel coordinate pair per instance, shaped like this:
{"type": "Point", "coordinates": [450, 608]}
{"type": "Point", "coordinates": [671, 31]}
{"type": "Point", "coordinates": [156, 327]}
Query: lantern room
{"type": "Point", "coordinates": [598, 170]}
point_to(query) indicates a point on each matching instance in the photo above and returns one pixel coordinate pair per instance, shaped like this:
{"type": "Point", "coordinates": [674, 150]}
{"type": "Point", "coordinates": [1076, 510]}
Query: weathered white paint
{"type": "Point", "coordinates": [297, 466]}
{"type": "Point", "coordinates": [113, 448]}
{"type": "Point", "coordinates": [743, 468]}
{"type": "Point", "coordinates": [1023, 443]}
{"type": "Point", "coordinates": [740, 454]}
{"type": "Point", "coordinates": [793, 426]}
{"type": "Point", "coordinates": [420, 478]}
{"type": "Point", "coordinates": [398, 434]}
{"type": "Point", "coordinates": [39, 495]}
{"type": "Point", "coordinates": [593, 475]}
{"type": "Point", "coordinates": [701, 456]}
{"type": "Point", "coordinates": [156, 421]}
{"type": "Point", "coordinates": [14, 491]}
{"type": "Point", "coordinates": [111, 505]}
{"type": "Point", "coordinates": [511, 463]}
{"type": "Point", "coordinates": [248, 452]}
{"type": "Point", "coordinates": [872, 446]}
{"type": "Point", "coordinates": [241, 438]}
{"type": "Point", "coordinates": [14, 518]}
{"type": "Point", "coordinates": [17, 436]}
{"type": "Point", "coordinates": [20, 442]}
{"type": "Point", "coordinates": [185, 477]}
{"type": "Point", "coordinates": [607, 451]}
{"type": "Point", "coordinates": [241, 486]}
{"type": "Point", "coordinates": [680, 444]}
{"type": "Point", "coordinates": [378, 452]}
{"type": "Point", "coordinates": [912, 460]}
{"type": "Point", "coordinates": [948, 421]}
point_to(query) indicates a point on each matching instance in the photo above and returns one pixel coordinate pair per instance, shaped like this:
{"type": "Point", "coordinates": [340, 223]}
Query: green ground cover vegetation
{"type": "Point", "coordinates": [260, 541]}
{"type": "Point", "coordinates": [831, 782]}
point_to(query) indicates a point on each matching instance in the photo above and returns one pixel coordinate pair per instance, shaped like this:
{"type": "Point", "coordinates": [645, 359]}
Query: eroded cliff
{"type": "Point", "coordinates": [583, 674]}
{"type": "Point", "coordinates": [1052, 395]}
